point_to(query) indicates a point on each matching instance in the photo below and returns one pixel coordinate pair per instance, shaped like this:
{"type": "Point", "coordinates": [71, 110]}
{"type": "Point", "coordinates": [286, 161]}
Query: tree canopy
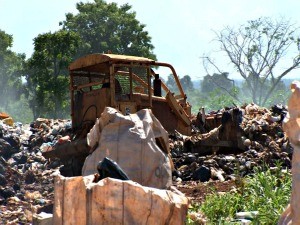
{"type": "Point", "coordinates": [221, 81]}
{"type": "Point", "coordinates": [261, 51]}
{"type": "Point", "coordinates": [98, 27]}
{"type": "Point", "coordinates": [47, 77]}
{"type": "Point", "coordinates": [187, 83]}
{"type": "Point", "coordinates": [105, 27]}
{"type": "Point", "coordinates": [11, 67]}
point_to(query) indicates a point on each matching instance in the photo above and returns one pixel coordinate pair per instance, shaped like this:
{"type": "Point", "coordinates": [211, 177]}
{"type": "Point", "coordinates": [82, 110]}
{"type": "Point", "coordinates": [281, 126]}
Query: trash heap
{"type": "Point", "coordinates": [27, 178]}
{"type": "Point", "coordinates": [264, 142]}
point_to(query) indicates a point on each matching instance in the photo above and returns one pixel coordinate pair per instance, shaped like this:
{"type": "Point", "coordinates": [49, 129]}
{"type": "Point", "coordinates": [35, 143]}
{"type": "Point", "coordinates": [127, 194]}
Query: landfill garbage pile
{"type": "Point", "coordinates": [27, 178]}
{"type": "Point", "coordinates": [265, 144]}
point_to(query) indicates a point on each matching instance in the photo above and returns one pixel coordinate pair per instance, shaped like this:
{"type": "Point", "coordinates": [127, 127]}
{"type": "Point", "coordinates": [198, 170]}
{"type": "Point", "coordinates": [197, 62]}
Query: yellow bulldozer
{"type": "Point", "coordinates": [129, 84]}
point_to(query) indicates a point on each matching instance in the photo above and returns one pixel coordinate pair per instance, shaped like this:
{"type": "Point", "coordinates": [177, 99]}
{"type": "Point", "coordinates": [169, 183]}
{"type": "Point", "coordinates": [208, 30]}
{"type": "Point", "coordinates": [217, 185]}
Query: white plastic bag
{"type": "Point", "coordinates": [131, 141]}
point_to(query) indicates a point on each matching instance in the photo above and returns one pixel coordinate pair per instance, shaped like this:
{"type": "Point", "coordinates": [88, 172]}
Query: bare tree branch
{"type": "Point", "coordinates": [257, 50]}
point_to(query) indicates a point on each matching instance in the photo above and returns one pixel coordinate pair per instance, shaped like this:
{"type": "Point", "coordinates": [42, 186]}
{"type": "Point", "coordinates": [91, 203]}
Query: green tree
{"type": "Point", "coordinates": [11, 71]}
{"type": "Point", "coordinates": [211, 101]}
{"type": "Point", "coordinates": [216, 100]}
{"type": "Point", "coordinates": [219, 91]}
{"type": "Point", "coordinates": [187, 83]}
{"type": "Point", "coordinates": [196, 99]}
{"type": "Point", "coordinates": [171, 83]}
{"type": "Point", "coordinates": [47, 78]}
{"type": "Point", "coordinates": [220, 81]}
{"type": "Point", "coordinates": [259, 52]}
{"type": "Point", "coordinates": [280, 93]}
{"type": "Point", "coordinates": [106, 27]}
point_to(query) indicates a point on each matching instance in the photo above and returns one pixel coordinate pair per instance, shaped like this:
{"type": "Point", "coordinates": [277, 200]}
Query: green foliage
{"type": "Point", "coordinates": [219, 91]}
{"type": "Point", "coordinates": [212, 101]}
{"type": "Point", "coordinates": [280, 92]}
{"type": "Point", "coordinates": [47, 74]}
{"type": "Point", "coordinates": [11, 70]}
{"type": "Point", "coordinates": [187, 83]}
{"type": "Point", "coordinates": [98, 27]}
{"type": "Point", "coordinates": [257, 50]}
{"type": "Point", "coordinates": [19, 110]}
{"type": "Point", "coordinates": [220, 81]}
{"type": "Point", "coordinates": [281, 96]}
{"type": "Point", "coordinates": [218, 100]}
{"type": "Point", "coordinates": [196, 99]}
{"type": "Point", "coordinates": [6, 41]}
{"type": "Point", "coordinates": [267, 192]}
{"type": "Point", "coordinates": [105, 27]}
{"type": "Point", "coordinates": [171, 83]}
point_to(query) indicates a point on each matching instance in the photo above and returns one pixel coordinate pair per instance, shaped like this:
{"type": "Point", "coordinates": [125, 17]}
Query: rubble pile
{"type": "Point", "coordinates": [26, 177]}
{"type": "Point", "coordinates": [265, 144]}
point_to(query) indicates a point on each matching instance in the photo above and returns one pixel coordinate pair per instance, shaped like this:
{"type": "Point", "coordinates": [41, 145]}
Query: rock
{"type": "Point", "coordinates": [64, 139]}
{"type": "Point", "coordinates": [221, 161]}
{"type": "Point", "coordinates": [7, 192]}
{"type": "Point", "coordinates": [247, 142]}
{"type": "Point", "coordinates": [273, 146]}
{"type": "Point", "coordinates": [201, 159]}
{"type": "Point", "coordinates": [11, 162]}
{"type": "Point", "coordinates": [3, 181]}
{"type": "Point", "coordinates": [252, 152]}
{"type": "Point", "coordinates": [48, 208]}
{"type": "Point", "coordinates": [248, 165]}
{"type": "Point", "coordinates": [193, 166]}
{"type": "Point", "coordinates": [6, 150]}
{"type": "Point", "coordinates": [2, 200]}
{"type": "Point", "coordinates": [43, 219]}
{"type": "Point", "coordinates": [39, 121]}
{"type": "Point", "coordinates": [229, 158]}
{"type": "Point", "coordinates": [29, 177]}
{"type": "Point", "coordinates": [228, 169]}
{"type": "Point", "coordinates": [203, 174]}
{"type": "Point", "coordinates": [16, 187]}
{"type": "Point", "coordinates": [55, 130]}
{"type": "Point", "coordinates": [13, 140]}
{"type": "Point", "coordinates": [2, 169]}
{"type": "Point", "coordinates": [211, 162]}
{"type": "Point", "coordinates": [178, 180]}
{"type": "Point", "coordinates": [217, 174]}
{"type": "Point", "coordinates": [45, 147]}
{"type": "Point", "coordinates": [20, 158]}
{"type": "Point", "coordinates": [190, 158]}
{"type": "Point", "coordinates": [286, 147]}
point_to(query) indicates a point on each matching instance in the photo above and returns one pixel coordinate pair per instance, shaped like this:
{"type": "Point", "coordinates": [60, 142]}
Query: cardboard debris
{"type": "Point", "coordinates": [291, 125]}
{"type": "Point", "coordinates": [80, 201]}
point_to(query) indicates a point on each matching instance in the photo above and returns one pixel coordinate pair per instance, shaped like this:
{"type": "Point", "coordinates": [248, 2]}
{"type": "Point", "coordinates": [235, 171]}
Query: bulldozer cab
{"type": "Point", "coordinates": [125, 83]}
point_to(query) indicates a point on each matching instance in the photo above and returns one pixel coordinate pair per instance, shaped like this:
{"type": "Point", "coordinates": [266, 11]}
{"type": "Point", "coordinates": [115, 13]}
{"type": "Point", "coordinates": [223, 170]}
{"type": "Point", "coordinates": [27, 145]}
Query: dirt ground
{"type": "Point", "coordinates": [197, 191]}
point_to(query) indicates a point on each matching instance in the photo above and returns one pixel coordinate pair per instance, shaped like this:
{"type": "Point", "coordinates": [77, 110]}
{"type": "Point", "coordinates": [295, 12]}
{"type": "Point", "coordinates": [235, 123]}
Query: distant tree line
{"type": "Point", "coordinates": [262, 52]}
{"type": "Point", "coordinates": [39, 86]}
{"type": "Point", "coordinates": [217, 91]}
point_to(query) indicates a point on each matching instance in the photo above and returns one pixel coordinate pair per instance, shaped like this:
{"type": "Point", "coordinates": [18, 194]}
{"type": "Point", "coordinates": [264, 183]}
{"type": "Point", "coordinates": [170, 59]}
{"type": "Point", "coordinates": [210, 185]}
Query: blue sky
{"type": "Point", "coordinates": [181, 30]}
